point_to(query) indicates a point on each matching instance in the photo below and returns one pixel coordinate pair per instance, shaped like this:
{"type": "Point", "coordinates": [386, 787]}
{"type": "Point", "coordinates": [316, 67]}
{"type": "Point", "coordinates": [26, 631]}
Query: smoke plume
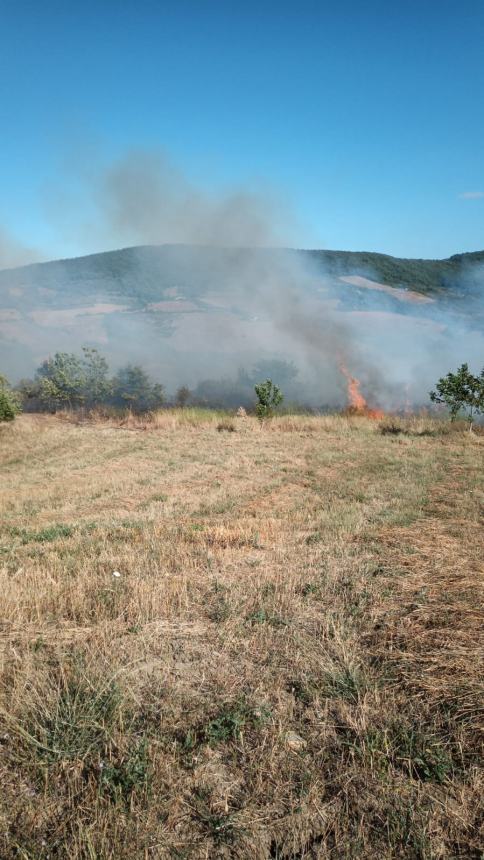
{"type": "Point", "coordinates": [14, 253]}
{"type": "Point", "coordinates": [224, 292]}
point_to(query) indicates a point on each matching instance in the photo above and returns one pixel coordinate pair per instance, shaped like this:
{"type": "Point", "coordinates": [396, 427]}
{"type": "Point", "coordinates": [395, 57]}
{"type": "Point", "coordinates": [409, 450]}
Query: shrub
{"type": "Point", "coordinates": [61, 381]}
{"type": "Point", "coordinates": [227, 426]}
{"type": "Point", "coordinates": [69, 380]}
{"type": "Point", "coordinates": [269, 397]}
{"type": "Point", "coordinates": [9, 401]}
{"type": "Point", "coordinates": [133, 388]}
{"type": "Point", "coordinates": [390, 427]}
{"type": "Point", "coordinates": [461, 391]}
{"type": "Point", "coordinates": [97, 384]}
{"type": "Point", "coordinates": [183, 395]}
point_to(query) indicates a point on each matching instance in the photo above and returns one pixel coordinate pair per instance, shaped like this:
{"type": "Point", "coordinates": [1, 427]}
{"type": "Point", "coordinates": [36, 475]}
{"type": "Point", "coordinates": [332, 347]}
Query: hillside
{"type": "Point", "coordinates": [426, 276]}
{"type": "Point", "coordinates": [131, 301]}
{"type": "Point", "coordinates": [117, 272]}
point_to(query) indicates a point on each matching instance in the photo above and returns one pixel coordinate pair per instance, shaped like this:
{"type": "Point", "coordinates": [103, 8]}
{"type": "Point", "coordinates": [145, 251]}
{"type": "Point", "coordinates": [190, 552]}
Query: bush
{"type": "Point", "coordinates": [9, 401]}
{"type": "Point", "coordinates": [227, 426]}
{"type": "Point", "coordinates": [461, 392]}
{"type": "Point", "coordinates": [390, 427]}
{"type": "Point", "coordinates": [68, 380]}
{"type": "Point", "coordinates": [133, 389]}
{"type": "Point", "coordinates": [269, 397]}
{"type": "Point", "coordinates": [183, 396]}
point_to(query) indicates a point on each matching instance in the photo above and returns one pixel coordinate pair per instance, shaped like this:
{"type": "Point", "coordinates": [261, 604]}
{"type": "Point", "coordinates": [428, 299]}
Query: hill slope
{"type": "Point", "coordinates": [130, 301]}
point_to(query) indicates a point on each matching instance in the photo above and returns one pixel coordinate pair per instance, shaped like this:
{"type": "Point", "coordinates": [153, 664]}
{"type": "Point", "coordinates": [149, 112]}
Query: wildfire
{"type": "Point", "coordinates": [356, 402]}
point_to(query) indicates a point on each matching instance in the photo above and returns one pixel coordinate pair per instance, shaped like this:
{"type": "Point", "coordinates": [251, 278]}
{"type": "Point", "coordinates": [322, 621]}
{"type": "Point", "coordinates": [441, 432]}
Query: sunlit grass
{"type": "Point", "coordinates": [254, 643]}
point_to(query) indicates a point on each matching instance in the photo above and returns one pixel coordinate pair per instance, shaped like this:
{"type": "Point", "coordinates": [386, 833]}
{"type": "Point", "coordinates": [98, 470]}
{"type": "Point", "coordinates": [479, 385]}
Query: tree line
{"type": "Point", "coordinates": [70, 381]}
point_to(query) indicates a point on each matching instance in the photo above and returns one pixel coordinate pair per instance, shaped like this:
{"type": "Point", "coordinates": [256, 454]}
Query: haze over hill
{"type": "Point", "coordinates": [188, 312]}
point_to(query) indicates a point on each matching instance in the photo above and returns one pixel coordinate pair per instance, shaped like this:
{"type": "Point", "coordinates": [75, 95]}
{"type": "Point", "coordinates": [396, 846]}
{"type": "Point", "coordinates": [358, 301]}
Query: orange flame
{"type": "Point", "coordinates": [356, 401]}
{"type": "Point", "coordinates": [355, 397]}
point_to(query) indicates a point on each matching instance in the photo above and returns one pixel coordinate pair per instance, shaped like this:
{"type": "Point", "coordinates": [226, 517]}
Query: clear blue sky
{"type": "Point", "coordinates": [367, 116]}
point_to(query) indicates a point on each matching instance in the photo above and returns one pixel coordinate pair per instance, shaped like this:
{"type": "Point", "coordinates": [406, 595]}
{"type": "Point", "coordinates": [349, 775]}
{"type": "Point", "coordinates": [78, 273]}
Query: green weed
{"type": "Point", "coordinates": [45, 535]}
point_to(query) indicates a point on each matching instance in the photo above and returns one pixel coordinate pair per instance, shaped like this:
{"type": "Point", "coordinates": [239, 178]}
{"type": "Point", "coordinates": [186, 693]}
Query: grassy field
{"type": "Point", "coordinates": [251, 644]}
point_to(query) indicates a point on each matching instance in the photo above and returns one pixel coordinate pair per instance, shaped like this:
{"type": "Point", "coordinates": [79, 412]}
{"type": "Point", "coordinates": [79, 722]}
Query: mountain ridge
{"type": "Point", "coordinates": [113, 299]}
{"type": "Point", "coordinates": [327, 255]}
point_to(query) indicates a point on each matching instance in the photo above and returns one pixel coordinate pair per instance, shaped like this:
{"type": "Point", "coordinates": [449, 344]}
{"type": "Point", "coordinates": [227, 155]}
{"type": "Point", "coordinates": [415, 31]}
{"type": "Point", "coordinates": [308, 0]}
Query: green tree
{"type": "Point", "coordinates": [69, 380]}
{"type": "Point", "coordinates": [29, 394]}
{"type": "Point", "coordinates": [461, 392]}
{"type": "Point", "coordinates": [183, 396]}
{"type": "Point", "coordinates": [133, 388]}
{"type": "Point", "coordinates": [62, 381]}
{"type": "Point", "coordinates": [269, 396]}
{"type": "Point", "coordinates": [97, 384]}
{"type": "Point", "coordinates": [9, 401]}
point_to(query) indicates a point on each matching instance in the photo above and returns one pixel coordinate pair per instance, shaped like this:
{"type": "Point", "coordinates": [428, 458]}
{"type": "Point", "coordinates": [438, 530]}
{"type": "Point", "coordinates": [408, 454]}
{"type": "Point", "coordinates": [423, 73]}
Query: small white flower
{"type": "Point", "coordinates": [116, 573]}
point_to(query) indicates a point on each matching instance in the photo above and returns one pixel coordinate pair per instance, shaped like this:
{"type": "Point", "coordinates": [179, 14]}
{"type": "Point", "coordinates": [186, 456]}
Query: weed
{"type": "Point", "coordinates": [346, 682]}
{"type": "Point", "coordinates": [315, 537]}
{"type": "Point", "coordinates": [50, 533]}
{"type": "Point", "coordinates": [416, 752]}
{"type": "Point", "coordinates": [390, 428]}
{"type": "Point", "coordinates": [421, 753]}
{"type": "Point", "coordinates": [302, 691]}
{"type": "Point", "coordinates": [72, 720]}
{"type": "Point", "coordinates": [228, 723]}
{"type": "Point", "coordinates": [120, 779]}
{"type": "Point", "coordinates": [262, 616]}
{"type": "Point", "coordinates": [310, 589]}
{"type": "Point", "coordinates": [218, 826]}
{"type": "Point", "coordinates": [220, 610]}
{"type": "Point", "coordinates": [226, 426]}
{"type": "Point", "coordinates": [219, 607]}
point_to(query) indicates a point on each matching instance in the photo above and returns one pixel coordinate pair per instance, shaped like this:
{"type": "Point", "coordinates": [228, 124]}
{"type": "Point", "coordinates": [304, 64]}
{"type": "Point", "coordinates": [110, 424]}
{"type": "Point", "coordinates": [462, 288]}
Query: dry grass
{"type": "Point", "coordinates": [286, 666]}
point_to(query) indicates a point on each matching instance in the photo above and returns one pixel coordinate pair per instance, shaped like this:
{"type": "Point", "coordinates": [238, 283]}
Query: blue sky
{"type": "Point", "coordinates": [366, 118]}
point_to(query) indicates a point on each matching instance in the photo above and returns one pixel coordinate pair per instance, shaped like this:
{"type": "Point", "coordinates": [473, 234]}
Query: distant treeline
{"type": "Point", "coordinates": [460, 273]}
{"type": "Point", "coordinates": [71, 381]}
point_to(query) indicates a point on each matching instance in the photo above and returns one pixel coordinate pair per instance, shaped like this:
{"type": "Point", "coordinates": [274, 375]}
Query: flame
{"type": "Point", "coordinates": [355, 397]}
{"type": "Point", "coordinates": [356, 401]}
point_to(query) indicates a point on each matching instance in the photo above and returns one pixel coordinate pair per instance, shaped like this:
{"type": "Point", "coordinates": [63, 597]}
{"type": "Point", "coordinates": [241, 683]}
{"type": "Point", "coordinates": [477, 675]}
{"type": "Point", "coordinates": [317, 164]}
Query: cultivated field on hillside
{"type": "Point", "coordinates": [222, 641]}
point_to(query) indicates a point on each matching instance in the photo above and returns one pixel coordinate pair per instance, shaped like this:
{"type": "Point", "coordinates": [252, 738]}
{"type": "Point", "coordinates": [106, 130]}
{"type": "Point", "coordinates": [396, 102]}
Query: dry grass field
{"type": "Point", "coordinates": [252, 644]}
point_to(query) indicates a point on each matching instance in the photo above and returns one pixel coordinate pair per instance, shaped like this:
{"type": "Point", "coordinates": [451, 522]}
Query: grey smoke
{"type": "Point", "coordinates": [15, 253]}
{"type": "Point", "coordinates": [145, 198]}
{"type": "Point", "coordinates": [272, 302]}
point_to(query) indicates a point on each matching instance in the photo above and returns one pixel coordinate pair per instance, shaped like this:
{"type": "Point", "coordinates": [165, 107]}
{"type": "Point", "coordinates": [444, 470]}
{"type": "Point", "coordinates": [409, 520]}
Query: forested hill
{"type": "Point", "coordinates": [141, 274]}
{"type": "Point", "coordinates": [125, 301]}
{"type": "Point", "coordinates": [425, 276]}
